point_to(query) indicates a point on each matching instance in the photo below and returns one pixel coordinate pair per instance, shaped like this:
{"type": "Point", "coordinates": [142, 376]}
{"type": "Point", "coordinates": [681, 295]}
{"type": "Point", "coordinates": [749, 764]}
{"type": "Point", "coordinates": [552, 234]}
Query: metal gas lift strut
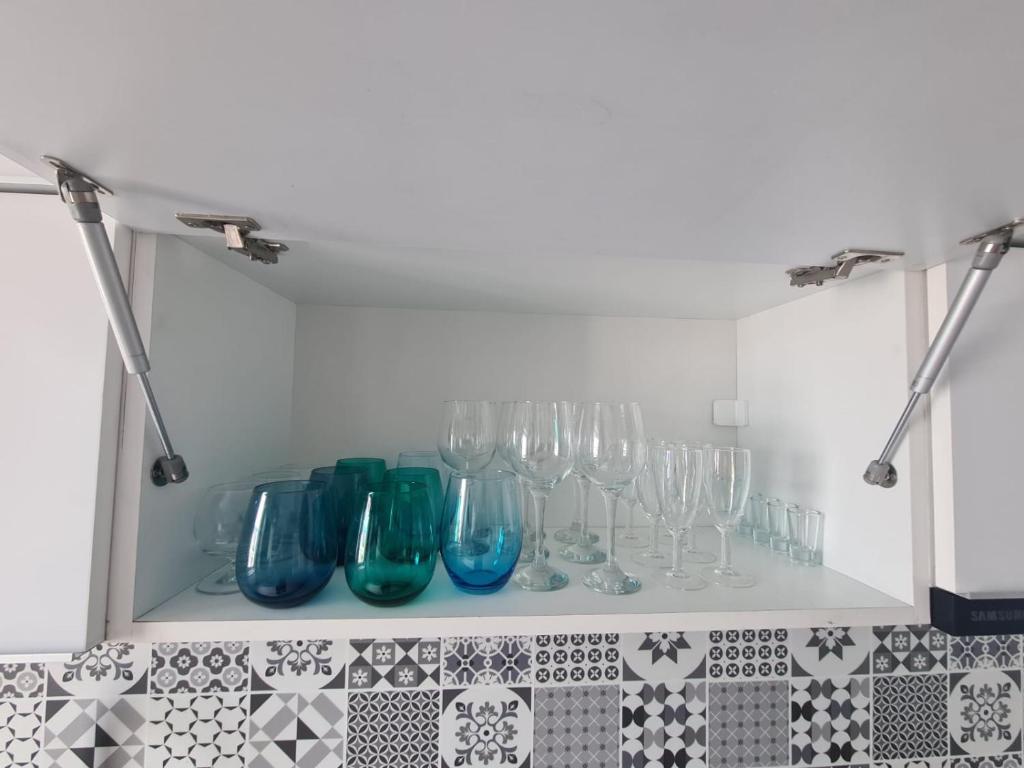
{"type": "Point", "coordinates": [992, 246]}
{"type": "Point", "coordinates": [80, 192]}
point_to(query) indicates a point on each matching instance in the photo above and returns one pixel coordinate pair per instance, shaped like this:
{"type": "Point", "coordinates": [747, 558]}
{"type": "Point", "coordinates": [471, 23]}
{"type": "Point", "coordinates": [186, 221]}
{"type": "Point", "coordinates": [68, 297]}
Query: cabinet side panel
{"type": "Point", "coordinates": [826, 377]}
{"type": "Point", "coordinates": [53, 353]}
{"type": "Point", "coordinates": [221, 347]}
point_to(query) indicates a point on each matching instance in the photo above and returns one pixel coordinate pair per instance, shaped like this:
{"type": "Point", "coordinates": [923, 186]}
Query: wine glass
{"type": "Point", "coordinates": [629, 536]}
{"type": "Point", "coordinates": [652, 557]}
{"type": "Point", "coordinates": [691, 552]}
{"type": "Point", "coordinates": [468, 434]}
{"type": "Point", "coordinates": [678, 472]}
{"type": "Point", "coordinates": [612, 453]}
{"type": "Point", "coordinates": [541, 448]}
{"type": "Point", "coordinates": [217, 527]}
{"type": "Point", "coordinates": [728, 484]}
{"type": "Point", "coordinates": [582, 549]}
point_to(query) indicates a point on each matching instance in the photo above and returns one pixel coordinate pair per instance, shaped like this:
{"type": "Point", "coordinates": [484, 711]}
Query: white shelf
{"type": "Point", "coordinates": [786, 595]}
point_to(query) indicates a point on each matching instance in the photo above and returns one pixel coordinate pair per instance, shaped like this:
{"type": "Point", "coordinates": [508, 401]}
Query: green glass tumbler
{"type": "Point", "coordinates": [346, 487]}
{"type": "Point", "coordinates": [374, 468]}
{"type": "Point", "coordinates": [392, 543]}
{"type": "Point", "coordinates": [430, 478]}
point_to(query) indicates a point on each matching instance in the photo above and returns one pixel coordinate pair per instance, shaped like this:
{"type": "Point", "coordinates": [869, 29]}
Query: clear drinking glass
{"type": "Point", "coordinates": [762, 530]}
{"type": "Point", "coordinates": [613, 451]}
{"type": "Point", "coordinates": [778, 526]}
{"type": "Point", "coordinates": [691, 552]}
{"type": "Point", "coordinates": [468, 435]}
{"type": "Point", "coordinates": [582, 550]}
{"type": "Point", "coordinates": [217, 526]}
{"type": "Point", "coordinates": [652, 557]}
{"type": "Point", "coordinates": [577, 533]}
{"type": "Point", "coordinates": [541, 449]}
{"type": "Point", "coordinates": [629, 537]}
{"type": "Point", "coordinates": [679, 480]}
{"type": "Point", "coordinates": [728, 481]}
{"type": "Point", "coordinates": [806, 532]}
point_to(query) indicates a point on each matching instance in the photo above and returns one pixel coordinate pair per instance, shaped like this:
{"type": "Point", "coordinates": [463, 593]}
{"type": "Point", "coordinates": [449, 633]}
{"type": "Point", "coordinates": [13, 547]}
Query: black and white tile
{"type": "Point", "coordinates": [576, 727]}
{"type": "Point", "coordinates": [199, 667]}
{"type": "Point", "coordinates": [830, 721]}
{"type": "Point", "coordinates": [909, 716]}
{"type": "Point", "coordinates": [108, 669]}
{"type": "Point", "coordinates": [489, 726]}
{"type": "Point", "coordinates": [21, 731]}
{"type": "Point", "coordinates": [908, 649]}
{"type": "Point", "coordinates": [497, 660]}
{"type": "Point", "coordinates": [397, 729]}
{"type": "Point", "coordinates": [984, 712]}
{"type": "Point", "coordinates": [21, 680]}
{"type": "Point", "coordinates": [196, 730]}
{"type": "Point", "coordinates": [576, 659]}
{"type": "Point", "coordinates": [95, 732]}
{"type": "Point", "coordinates": [748, 724]}
{"type": "Point", "coordinates": [664, 724]}
{"type": "Point", "coordinates": [657, 656]}
{"type": "Point", "coordinates": [830, 651]}
{"type": "Point", "coordinates": [296, 730]}
{"type": "Point", "coordinates": [984, 652]}
{"type": "Point", "coordinates": [987, 761]}
{"type": "Point", "coordinates": [298, 665]}
{"type": "Point", "coordinates": [748, 654]}
{"type": "Point", "coordinates": [393, 664]}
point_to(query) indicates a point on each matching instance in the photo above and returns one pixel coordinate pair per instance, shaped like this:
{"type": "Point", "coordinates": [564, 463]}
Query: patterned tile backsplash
{"type": "Point", "coordinates": [893, 697]}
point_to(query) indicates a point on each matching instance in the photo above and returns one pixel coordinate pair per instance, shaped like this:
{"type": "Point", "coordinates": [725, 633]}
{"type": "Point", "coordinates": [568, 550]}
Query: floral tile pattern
{"type": "Point", "coordinates": [575, 659]}
{"type": "Point", "coordinates": [984, 712]}
{"type": "Point", "coordinates": [394, 664]}
{"type": "Point", "coordinates": [576, 727]}
{"type": "Point", "coordinates": [293, 729]}
{"type": "Point", "coordinates": [831, 720]}
{"type": "Point", "coordinates": [985, 652]}
{"type": "Point", "coordinates": [187, 730]}
{"type": "Point", "coordinates": [199, 667]}
{"type": "Point", "coordinates": [917, 648]}
{"type": "Point", "coordinates": [396, 729]}
{"type": "Point", "coordinates": [298, 665]}
{"type": "Point", "coordinates": [664, 724]}
{"type": "Point", "coordinates": [748, 654]}
{"type": "Point", "coordinates": [486, 726]}
{"type": "Point", "coordinates": [909, 717]}
{"type": "Point", "coordinates": [499, 660]}
{"type": "Point", "coordinates": [748, 724]}
{"type": "Point", "coordinates": [659, 656]}
{"type": "Point", "coordinates": [95, 732]}
{"type": "Point", "coordinates": [830, 651]}
{"type": "Point", "coordinates": [987, 761]}
{"type": "Point", "coordinates": [108, 669]}
{"type": "Point", "coordinates": [21, 731]}
{"type": "Point", "coordinates": [21, 681]}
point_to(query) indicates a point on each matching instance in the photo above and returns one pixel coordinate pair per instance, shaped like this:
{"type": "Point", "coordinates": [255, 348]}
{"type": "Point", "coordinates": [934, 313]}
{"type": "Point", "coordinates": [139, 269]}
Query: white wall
{"type": "Point", "coordinates": [826, 377]}
{"type": "Point", "coordinates": [371, 381]}
{"type": "Point", "coordinates": [54, 387]}
{"type": "Point", "coordinates": [980, 530]}
{"type": "Point", "coordinates": [221, 347]}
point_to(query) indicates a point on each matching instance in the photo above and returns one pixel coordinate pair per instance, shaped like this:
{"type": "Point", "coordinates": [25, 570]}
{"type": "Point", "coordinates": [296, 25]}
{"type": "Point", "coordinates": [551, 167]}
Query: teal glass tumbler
{"type": "Point", "coordinates": [374, 468]}
{"type": "Point", "coordinates": [392, 544]}
{"type": "Point", "coordinates": [346, 487]}
{"type": "Point", "coordinates": [430, 478]}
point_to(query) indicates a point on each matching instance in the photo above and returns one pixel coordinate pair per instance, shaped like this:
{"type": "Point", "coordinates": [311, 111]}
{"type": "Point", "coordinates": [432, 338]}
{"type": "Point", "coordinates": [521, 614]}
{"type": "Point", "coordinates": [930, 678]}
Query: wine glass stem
{"type": "Point", "coordinates": [611, 500]}
{"type": "Point", "coordinates": [540, 500]}
{"type": "Point", "coordinates": [726, 564]}
{"type": "Point", "coordinates": [583, 509]}
{"type": "Point", "coordinates": [629, 518]}
{"type": "Point", "coordinates": [691, 539]}
{"type": "Point", "coordinates": [677, 551]}
{"type": "Point", "coordinates": [655, 523]}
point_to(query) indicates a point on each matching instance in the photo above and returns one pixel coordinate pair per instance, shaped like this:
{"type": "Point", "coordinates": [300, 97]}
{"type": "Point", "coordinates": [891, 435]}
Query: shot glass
{"type": "Point", "coordinates": [778, 525]}
{"type": "Point", "coordinates": [806, 531]}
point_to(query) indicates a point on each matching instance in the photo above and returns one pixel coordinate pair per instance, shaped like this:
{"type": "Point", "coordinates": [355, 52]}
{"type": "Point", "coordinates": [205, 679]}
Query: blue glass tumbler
{"type": "Point", "coordinates": [483, 530]}
{"type": "Point", "coordinates": [288, 549]}
{"type": "Point", "coordinates": [346, 487]}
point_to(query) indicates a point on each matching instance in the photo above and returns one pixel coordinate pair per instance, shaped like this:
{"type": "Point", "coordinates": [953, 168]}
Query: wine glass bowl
{"type": "Point", "coordinates": [468, 435]}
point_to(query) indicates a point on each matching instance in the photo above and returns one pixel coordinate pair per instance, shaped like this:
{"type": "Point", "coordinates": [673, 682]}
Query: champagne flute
{"type": "Point", "coordinates": [652, 557]}
{"type": "Point", "coordinates": [678, 471]}
{"type": "Point", "coordinates": [728, 483]}
{"type": "Point", "coordinates": [541, 448]}
{"type": "Point", "coordinates": [630, 537]}
{"type": "Point", "coordinates": [691, 552]}
{"type": "Point", "coordinates": [612, 453]}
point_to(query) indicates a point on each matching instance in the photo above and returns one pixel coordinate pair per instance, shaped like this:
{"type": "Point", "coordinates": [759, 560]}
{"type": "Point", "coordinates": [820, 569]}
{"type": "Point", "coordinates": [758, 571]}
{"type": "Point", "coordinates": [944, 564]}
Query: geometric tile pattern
{"type": "Point", "coordinates": [657, 656]}
{"type": "Point", "coordinates": [108, 669]}
{"type": "Point", "coordinates": [909, 714]}
{"type": "Point", "coordinates": [394, 664]}
{"type": "Point", "coordinates": [915, 648]}
{"type": "Point", "coordinates": [21, 681]}
{"type": "Point", "coordinates": [664, 724]}
{"type": "Point", "coordinates": [984, 712]}
{"type": "Point", "coordinates": [21, 731]}
{"type": "Point", "coordinates": [575, 659]}
{"type": "Point", "coordinates": [831, 720]}
{"type": "Point", "coordinates": [488, 725]}
{"type": "Point", "coordinates": [988, 761]}
{"type": "Point", "coordinates": [830, 651]}
{"type": "Point", "coordinates": [191, 730]}
{"type": "Point", "coordinates": [500, 660]}
{"type": "Point", "coordinates": [748, 724]}
{"type": "Point", "coordinates": [95, 732]}
{"type": "Point", "coordinates": [298, 665]}
{"type": "Point", "coordinates": [748, 654]}
{"type": "Point", "coordinates": [396, 729]}
{"type": "Point", "coordinates": [293, 729]}
{"type": "Point", "coordinates": [199, 667]}
{"type": "Point", "coordinates": [576, 727]}
{"type": "Point", "coordinates": [984, 652]}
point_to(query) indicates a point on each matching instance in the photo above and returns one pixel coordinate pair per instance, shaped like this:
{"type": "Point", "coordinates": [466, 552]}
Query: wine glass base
{"type": "Point", "coordinates": [611, 580]}
{"type": "Point", "coordinates": [527, 555]}
{"type": "Point", "coordinates": [220, 582]}
{"type": "Point", "coordinates": [570, 536]}
{"type": "Point", "coordinates": [650, 559]}
{"type": "Point", "coordinates": [683, 581]}
{"type": "Point", "coordinates": [582, 553]}
{"type": "Point", "coordinates": [630, 539]}
{"type": "Point", "coordinates": [728, 578]}
{"type": "Point", "coordinates": [697, 556]}
{"type": "Point", "coordinates": [540, 578]}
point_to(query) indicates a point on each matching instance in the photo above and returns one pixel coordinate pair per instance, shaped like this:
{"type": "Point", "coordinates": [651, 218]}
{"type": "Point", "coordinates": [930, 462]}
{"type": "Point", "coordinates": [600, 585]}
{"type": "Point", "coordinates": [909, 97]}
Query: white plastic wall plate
{"type": "Point", "coordinates": [729, 413]}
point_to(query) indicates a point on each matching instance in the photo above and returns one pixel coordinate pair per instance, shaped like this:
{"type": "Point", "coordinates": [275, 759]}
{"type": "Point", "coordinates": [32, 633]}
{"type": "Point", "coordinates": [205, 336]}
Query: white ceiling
{"type": "Point", "coordinates": [528, 131]}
